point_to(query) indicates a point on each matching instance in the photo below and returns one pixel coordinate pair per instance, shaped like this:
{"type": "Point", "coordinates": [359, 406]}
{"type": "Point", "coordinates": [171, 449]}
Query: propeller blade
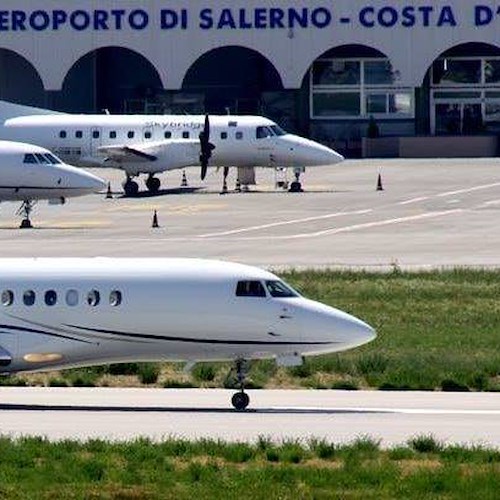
{"type": "Point", "coordinates": [204, 168]}
{"type": "Point", "coordinates": [206, 147]}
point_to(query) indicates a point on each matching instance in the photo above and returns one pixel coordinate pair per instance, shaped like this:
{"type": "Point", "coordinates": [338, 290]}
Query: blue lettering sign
{"type": "Point", "coordinates": [206, 20]}
{"type": "Point", "coordinates": [483, 15]}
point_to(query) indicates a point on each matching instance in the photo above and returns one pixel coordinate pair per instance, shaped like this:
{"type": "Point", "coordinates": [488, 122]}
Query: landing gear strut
{"type": "Point", "coordinates": [26, 209]}
{"type": "Point", "coordinates": [240, 400]}
{"type": "Point", "coordinates": [130, 187]}
{"type": "Point", "coordinates": [296, 186]}
{"type": "Point", "coordinates": [153, 184]}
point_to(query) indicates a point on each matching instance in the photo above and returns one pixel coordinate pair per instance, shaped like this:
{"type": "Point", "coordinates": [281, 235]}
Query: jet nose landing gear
{"type": "Point", "coordinates": [240, 400]}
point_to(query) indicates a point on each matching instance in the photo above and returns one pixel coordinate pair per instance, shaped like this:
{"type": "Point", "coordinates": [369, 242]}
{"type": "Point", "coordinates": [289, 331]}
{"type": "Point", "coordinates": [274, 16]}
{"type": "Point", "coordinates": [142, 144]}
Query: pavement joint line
{"type": "Point", "coordinates": [468, 190]}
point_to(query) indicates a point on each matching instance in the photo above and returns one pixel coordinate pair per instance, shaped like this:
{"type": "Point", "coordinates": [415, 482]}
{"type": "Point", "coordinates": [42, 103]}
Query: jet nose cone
{"type": "Point", "coordinates": [361, 332]}
{"type": "Point", "coordinates": [91, 182]}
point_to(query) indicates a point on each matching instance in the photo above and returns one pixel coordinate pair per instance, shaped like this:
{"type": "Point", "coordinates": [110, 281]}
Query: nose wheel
{"type": "Point", "coordinates": [240, 400]}
{"type": "Point", "coordinates": [296, 186]}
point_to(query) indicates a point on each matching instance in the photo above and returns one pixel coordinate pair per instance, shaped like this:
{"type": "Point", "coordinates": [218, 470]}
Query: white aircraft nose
{"type": "Point", "coordinates": [84, 181]}
{"type": "Point", "coordinates": [309, 153]}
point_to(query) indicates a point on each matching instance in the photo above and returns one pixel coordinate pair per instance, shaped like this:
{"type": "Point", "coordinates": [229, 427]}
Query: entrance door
{"type": "Point", "coordinates": [458, 118]}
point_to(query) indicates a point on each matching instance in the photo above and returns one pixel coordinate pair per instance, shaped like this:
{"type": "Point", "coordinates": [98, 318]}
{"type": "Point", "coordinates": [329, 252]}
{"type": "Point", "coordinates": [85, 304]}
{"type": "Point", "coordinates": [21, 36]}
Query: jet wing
{"type": "Point", "coordinates": [151, 151]}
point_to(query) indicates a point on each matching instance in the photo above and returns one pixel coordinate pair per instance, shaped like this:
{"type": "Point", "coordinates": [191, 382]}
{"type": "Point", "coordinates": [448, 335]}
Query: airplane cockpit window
{"type": "Point", "coordinates": [277, 130]}
{"type": "Point", "coordinates": [29, 158]}
{"type": "Point", "coordinates": [93, 298]}
{"type": "Point", "coordinates": [115, 298]}
{"type": "Point", "coordinates": [72, 297]}
{"type": "Point", "coordinates": [280, 289]}
{"type": "Point", "coordinates": [53, 159]}
{"type": "Point", "coordinates": [7, 297]}
{"type": "Point", "coordinates": [50, 297]}
{"type": "Point", "coordinates": [42, 159]}
{"type": "Point", "coordinates": [263, 132]}
{"type": "Point", "coordinates": [250, 289]}
{"type": "Point", "coordinates": [29, 297]}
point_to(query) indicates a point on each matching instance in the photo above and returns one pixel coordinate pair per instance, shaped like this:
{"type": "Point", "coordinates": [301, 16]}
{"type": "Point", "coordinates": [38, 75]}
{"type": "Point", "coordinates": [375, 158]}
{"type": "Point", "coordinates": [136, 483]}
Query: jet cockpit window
{"type": "Point", "coordinates": [263, 132]}
{"type": "Point", "coordinates": [277, 130]}
{"type": "Point", "coordinates": [250, 289]}
{"type": "Point", "coordinates": [42, 159]}
{"type": "Point", "coordinates": [29, 158]}
{"type": "Point", "coordinates": [53, 159]}
{"type": "Point", "coordinates": [280, 289]}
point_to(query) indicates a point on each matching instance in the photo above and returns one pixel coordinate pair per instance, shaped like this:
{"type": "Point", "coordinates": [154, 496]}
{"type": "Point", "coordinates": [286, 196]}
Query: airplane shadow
{"type": "Point", "coordinates": [171, 409]}
{"type": "Point", "coordinates": [161, 192]}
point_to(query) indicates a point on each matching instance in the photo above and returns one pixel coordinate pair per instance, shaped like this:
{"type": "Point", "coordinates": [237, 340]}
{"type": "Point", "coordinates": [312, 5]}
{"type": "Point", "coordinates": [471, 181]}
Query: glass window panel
{"type": "Point", "coordinates": [492, 71]}
{"type": "Point", "coordinates": [337, 72]}
{"type": "Point", "coordinates": [492, 95]}
{"type": "Point", "coordinates": [376, 103]}
{"type": "Point", "coordinates": [337, 104]}
{"type": "Point", "coordinates": [457, 72]}
{"type": "Point", "coordinates": [400, 103]}
{"type": "Point", "coordinates": [492, 110]}
{"type": "Point", "coordinates": [457, 95]}
{"type": "Point", "coordinates": [378, 73]}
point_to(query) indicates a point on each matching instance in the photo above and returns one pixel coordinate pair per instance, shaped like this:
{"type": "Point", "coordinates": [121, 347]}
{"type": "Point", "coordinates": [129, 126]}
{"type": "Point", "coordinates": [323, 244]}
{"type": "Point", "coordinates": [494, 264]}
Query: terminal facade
{"type": "Point", "coordinates": [336, 71]}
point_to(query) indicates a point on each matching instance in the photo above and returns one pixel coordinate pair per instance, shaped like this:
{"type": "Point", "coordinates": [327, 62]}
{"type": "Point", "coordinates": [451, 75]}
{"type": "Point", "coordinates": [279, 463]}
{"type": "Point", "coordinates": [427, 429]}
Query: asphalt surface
{"type": "Point", "coordinates": [338, 416]}
{"type": "Point", "coordinates": [431, 213]}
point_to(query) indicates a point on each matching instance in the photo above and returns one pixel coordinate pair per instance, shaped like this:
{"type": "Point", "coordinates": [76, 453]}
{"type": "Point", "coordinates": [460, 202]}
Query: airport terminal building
{"type": "Point", "coordinates": [340, 71]}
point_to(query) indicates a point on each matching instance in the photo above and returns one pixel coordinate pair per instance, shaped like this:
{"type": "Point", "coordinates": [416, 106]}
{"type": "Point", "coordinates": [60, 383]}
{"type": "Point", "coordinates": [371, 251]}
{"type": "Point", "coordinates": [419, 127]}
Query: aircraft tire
{"type": "Point", "coordinates": [295, 187]}
{"type": "Point", "coordinates": [153, 184]}
{"type": "Point", "coordinates": [240, 401]}
{"type": "Point", "coordinates": [131, 188]}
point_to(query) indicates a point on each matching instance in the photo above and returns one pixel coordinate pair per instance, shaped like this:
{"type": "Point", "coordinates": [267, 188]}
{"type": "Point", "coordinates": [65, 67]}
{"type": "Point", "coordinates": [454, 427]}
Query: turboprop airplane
{"type": "Point", "coordinates": [64, 313]}
{"type": "Point", "coordinates": [29, 173]}
{"type": "Point", "coordinates": [150, 144]}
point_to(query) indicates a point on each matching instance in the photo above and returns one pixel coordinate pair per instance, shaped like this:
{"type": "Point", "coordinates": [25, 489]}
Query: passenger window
{"type": "Point", "coordinates": [239, 135]}
{"type": "Point", "coordinates": [250, 289]}
{"type": "Point", "coordinates": [93, 298]}
{"type": "Point", "coordinates": [280, 289]}
{"type": "Point", "coordinates": [7, 297]}
{"type": "Point", "coordinates": [78, 134]}
{"type": "Point", "coordinates": [130, 134]}
{"type": "Point", "coordinates": [95, 134]}
{"type": "Point", "coordinates": [72, 298]}
{"type": "Point", "coordinates": [147, 135]}
{"type": "Point", "coordinates": [115, 298]}
{"type": "Point", "coordinates": [185, 135]}
{"type": "Point", "coordinates": [167, 134]}
{"type": "Point", "coordinates": [112, 134]}
{"type": "Point", "coordinates": [29, 158]}
{"type": "Point", "coordinates": [223, 135]}
{"type": "Point", "coordinates": [63, 134]}
{"type": "Point", "coordinates": [29, 297]}
{"type": "Point", "coordinates": [50, 298]}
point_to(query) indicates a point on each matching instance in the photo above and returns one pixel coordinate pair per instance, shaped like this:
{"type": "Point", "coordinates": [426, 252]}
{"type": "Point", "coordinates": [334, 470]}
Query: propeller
{"type": "Point", "coordinates": [206, 148]}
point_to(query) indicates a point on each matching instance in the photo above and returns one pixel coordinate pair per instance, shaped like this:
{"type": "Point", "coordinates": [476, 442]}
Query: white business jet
{"type": "Point", "coordinates": [63, 313]}
{"type": "Point", "coordinates": [29, 173]}
{"type": "Point", "coordinates": [150, 144]}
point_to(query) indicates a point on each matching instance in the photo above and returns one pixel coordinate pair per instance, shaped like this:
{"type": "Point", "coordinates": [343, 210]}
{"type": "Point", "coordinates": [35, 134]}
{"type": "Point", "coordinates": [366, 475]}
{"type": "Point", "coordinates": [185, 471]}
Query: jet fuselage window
{"type": "Point", "coordinates": [280, 289]}
{"type": "Point", "coordinates": [95, 134]}
{"type": "Point", "coordinates": [29, 297]}
{"type": "Point", "coordinates": [130, 134]}
{"type": "Point", "coordinates": [167, 134]}
{"type": "Point", "coordinates": [63, 134]}
{"type": "Point", "coordinates": [115, 298]}
{"type": "Point", "coordinates": [185, 135]}
{"type": "Point", "coordinates": [7, 297]}
{"type": "Point", "coordinates": [239, 135]}
{"type": "Point", "coordinates": [42, 159]}
{"type": "Point", "coordinates": [78, 134]}
{"type": "Point", "coordinates": [29, 158]}
{"type": "Point", "coordinates": [147, 135]}
{"type": "Point", "coordinates": [112, 134]}
{"type": "Point", "coordinates": [93, 298]}
{"type": "Point", "coordinates": [223, 135]}
{"type": "Point", "coordinates": [72, 297]}
{"type": "Point", "coordinates": [250, 289]}
{"type": "Point", "coordinates": [50, 297]}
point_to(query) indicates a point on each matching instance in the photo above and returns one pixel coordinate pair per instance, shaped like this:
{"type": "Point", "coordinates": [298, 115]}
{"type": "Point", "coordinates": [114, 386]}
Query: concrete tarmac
{"type": "Point", "coordinates": [337, 416]}
{"type": "Point", "coordinates": [430, 213]}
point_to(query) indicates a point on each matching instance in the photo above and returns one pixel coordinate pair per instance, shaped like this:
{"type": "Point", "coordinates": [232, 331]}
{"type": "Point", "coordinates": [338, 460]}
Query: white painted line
{"type": "Point", "coordinates": [468, 190]}
{"type": "Point", "coordinates": [414, 200]}
{"type": "Point", "coordinates": [284, 223]}
{"type": "Point", "coordinates": [491, 203]}
{"type": "Point", "coordinates": [388, 410]}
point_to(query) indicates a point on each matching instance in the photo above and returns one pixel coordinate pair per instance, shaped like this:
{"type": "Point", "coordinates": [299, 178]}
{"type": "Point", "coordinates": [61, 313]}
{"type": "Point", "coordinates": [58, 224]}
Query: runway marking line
{"type": "Point", "coordinates": [468, 190]}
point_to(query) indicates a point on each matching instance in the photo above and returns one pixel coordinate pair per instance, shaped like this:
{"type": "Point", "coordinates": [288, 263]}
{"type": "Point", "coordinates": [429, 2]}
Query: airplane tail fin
{"type": "Point", "coordinates": [10, 110]}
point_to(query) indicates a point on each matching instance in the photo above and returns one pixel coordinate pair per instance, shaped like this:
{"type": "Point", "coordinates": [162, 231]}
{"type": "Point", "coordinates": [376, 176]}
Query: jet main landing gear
{"type": "Point", "coordinates": [240, 400]}
{"type": "Point", "coordinates": [130, 187]}
{"type": "Point", "coordinates": [153, 184]}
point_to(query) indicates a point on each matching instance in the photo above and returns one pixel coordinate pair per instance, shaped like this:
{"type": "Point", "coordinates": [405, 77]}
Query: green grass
{"type": "Point", "coordinates": [32, 468]}
{"type": "Point", "coordinates": [437, 330]}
